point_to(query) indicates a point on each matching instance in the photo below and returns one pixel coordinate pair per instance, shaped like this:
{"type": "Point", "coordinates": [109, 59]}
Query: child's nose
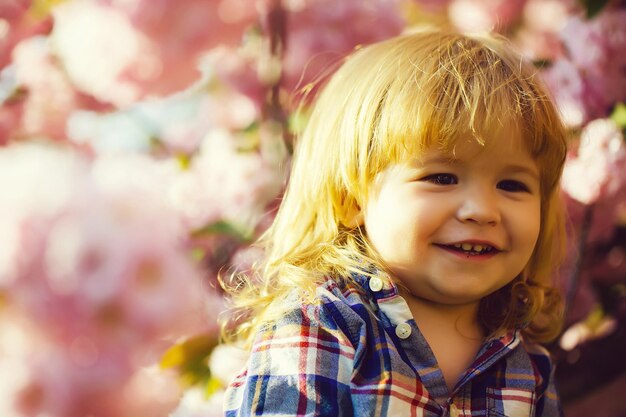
{"type": "Point", "coordinates": [479, 206]}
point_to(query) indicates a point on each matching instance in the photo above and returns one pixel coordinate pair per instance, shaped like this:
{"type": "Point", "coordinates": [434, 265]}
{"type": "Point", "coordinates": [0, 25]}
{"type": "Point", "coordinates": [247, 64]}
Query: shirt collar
{"type": "Point", "coordinates": [367, 282]}
{"type": "Point", "coordinates": [388, 300]}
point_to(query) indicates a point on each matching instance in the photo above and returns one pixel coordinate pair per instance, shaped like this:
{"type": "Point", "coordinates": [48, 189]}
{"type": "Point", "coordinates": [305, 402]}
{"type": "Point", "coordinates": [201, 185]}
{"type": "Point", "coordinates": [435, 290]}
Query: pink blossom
{"type": "Point", "coordinates": [122, 52]}
{"type": "Point", "coordinates": [484, 15]}
{"type": "Point", "coordinates": [595, 171]}
{"type": "Point", "coordinates": [10, 116]}
{"type": "Point", "coordinates": [151, 392]}
{"type": "Point", "coordinates": [569, 91]}
{"type": "Point", "coordinates": [433, 5]}
{"type": "Point", "coordinates": [596, 48]}
{"type": "Point", "coordinates": [587, 68]}
{"type": "Point", "coordinates": [178, 122]}
{"type": "Point", "coordinates": [239, 70]}
{"type": "Point", "coordinates": [537, 45]}
{"type": "Point", "coordinates": [99, 46]}
{"type": "Point", "coordinates": [226, 362]}
{"type": "Point", "coordinates": [50, 96]}
{"type": "Point", "coordinates": [595, 176]}
{"type": "Point", "coordinates": [196, 25]}
{"type": "Point", "coordinates": [184, 30]}
{"type": "Point", "coordinates": [547, 15]}
{"type": "Point", "coordinates": [195, 403]}
{"type": "Point", "coordinates": [595, 45]}
{"type": "Point", "coordinates": [39, 376]}
{"type": "Point", "coordinates": [16, 24]}
{"type": "Point", "coordinates": [583, 332]}
{"type": "Point", "coordinates": [98, 259]}
{"type": "Point", "coordinates": [13, 9]}
{"type": "Point", "coordinates": [18, 337]}
{"type": "Point", "coordinates": [225, 183]}
{"type": "Point", "coordinates": [539, 35]}
{"type": "Point", "coordinates": [245, 258]}
{"type": "Point", "coordinates": [184, 120]}
{"type": "Point", "coordinates": [320, 32]}
{"type": "Point", "coordinates": [11, 105]}
{"type": "Point", "coordinates": [43, 97]}
{"type": "Point", "coordinates": [603, 265]}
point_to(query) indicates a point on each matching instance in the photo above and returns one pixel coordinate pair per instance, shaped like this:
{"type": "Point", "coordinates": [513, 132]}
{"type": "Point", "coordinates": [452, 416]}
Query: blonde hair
{"type": "Point", "coordinates": [387, 101]}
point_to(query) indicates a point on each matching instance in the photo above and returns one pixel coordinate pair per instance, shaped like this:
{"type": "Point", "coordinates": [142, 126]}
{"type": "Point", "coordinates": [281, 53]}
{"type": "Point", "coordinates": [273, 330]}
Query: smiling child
{"type": "Point", "coordinates": [409, 269]}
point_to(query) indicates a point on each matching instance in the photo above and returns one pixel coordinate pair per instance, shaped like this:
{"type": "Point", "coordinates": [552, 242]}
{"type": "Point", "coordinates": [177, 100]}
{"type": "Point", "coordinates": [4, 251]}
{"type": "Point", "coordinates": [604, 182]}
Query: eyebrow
{"type": "Point", "coordinates": [438, 160]}
{"type": "Point", "coordinates": [523, 169]}
{"type": "Point", "coordinates": [513, 168]}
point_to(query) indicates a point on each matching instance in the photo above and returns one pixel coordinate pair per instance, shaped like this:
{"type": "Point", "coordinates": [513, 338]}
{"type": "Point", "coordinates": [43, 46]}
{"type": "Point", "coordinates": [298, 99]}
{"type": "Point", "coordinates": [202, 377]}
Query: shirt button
{"type": "Point", "coordinates": [376, 284]}
{"type": "Point", "coordinates": [403, 330]}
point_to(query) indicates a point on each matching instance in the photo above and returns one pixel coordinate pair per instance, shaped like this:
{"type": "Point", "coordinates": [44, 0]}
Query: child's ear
{"type": "Point", "coordinates": [353, 216]}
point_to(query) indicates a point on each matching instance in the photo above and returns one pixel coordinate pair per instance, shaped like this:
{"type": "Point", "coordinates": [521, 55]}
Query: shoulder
{"type": "Point", "coordinates": [328, 325]}
{"type": "Point", "coordinates": [335, 313]}
{"type": "Point", "coordinates": [539, 357]}
{"type": "Point", "coordinates": [547, 402]}
{"type": "Point", "coordinates": [542, 367]}
{"type": "Point", "coordinates": [310, 342]}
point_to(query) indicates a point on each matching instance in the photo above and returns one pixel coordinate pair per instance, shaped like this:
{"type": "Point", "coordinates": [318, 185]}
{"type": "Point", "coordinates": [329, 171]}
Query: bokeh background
{"type": "Point", "coordinates": [144, 144]}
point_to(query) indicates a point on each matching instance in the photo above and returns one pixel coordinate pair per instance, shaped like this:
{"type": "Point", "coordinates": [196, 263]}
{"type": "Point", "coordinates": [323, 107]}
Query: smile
{"type": "Point", "coordinates": [470, 249]}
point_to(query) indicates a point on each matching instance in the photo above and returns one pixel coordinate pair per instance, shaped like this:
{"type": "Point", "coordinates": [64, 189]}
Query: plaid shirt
{"type": "Point", "coordinates": [359, 353]}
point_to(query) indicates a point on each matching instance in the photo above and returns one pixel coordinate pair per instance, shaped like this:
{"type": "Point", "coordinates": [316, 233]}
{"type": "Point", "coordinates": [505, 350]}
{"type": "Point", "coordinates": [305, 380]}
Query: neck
{"type": "Point", "coordinates": [458, 319]}
{"type": "Point", "coordinates": [452, 333]}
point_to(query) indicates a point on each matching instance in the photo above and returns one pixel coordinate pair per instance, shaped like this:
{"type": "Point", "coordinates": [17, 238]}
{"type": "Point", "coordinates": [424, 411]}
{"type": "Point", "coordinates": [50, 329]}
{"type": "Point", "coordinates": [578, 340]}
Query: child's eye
{"type": "Point", "coordinates": [441, 179]}
{"type": "Point", "coordinates": [513, 186]}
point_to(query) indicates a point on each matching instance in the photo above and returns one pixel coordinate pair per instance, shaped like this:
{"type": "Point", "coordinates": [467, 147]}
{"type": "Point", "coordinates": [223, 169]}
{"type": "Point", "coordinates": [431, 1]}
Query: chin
{"type": "Point", "coordinates": [458, 298]}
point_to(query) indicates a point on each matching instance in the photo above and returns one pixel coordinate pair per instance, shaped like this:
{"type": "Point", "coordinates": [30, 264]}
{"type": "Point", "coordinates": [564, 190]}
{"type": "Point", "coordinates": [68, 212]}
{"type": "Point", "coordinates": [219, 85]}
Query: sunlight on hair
{"type": "Point", "coordinates": [388, 102]}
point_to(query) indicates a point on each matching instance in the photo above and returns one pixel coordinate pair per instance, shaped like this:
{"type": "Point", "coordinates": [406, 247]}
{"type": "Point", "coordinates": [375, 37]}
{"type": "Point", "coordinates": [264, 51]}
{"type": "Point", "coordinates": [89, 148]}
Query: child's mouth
{"type": "Point", "coordinates": [470, 249]}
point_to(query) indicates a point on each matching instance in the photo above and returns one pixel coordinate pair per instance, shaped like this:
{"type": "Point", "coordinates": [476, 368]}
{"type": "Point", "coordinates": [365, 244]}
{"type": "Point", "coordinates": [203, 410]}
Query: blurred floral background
{"type": "Point", "coordinates": [144, 144]}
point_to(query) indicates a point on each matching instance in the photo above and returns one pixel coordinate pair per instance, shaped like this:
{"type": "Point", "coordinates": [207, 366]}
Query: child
{"type": "Point", "coordinates": [408, 270]}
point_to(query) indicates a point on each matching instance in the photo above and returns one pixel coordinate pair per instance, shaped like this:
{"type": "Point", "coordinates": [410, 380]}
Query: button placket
{"type": "Point", "coordinates": [376, 284]}
{"type": "Point", "coordinates": [403, 330]}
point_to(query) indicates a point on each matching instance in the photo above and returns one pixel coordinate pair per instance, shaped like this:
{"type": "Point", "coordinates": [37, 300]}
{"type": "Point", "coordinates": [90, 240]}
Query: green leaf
{"type": "Point", "coordinates": [198, 254]}
{"type": "Point", "coordinates": [184, 161]}
{"type": "Point", "coordinates": [190, 359]}
{"type": "Point", "coordinates": [298, 120]}
{"type": "Point", "coordinates": [223, 227]}
{"type": "Point", "coordinates": [619, 115]}
{"type": "Point", "coordinates": [252, 128]}
{"type": "Point", "coordinates": [188, 351]}
{"type": "Point", "coordinates": [542, 63]}
{"type": "Point", "coordinates": [212, 386]}
{"type": "Point", "coordinates": [593, 7]}
{"type": "Point", "coordinates": [42, 8]}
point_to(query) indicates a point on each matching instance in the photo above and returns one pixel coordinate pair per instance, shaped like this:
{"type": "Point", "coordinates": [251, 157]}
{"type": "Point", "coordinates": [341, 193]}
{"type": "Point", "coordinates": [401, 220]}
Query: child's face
{"type": "Point", "coordinates": [454, 231]}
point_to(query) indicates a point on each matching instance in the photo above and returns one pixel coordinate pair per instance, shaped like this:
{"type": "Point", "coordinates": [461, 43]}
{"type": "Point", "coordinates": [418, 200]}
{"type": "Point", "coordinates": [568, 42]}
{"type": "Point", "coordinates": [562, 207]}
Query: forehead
{"type": "Point", "coordinates": [465, 144]}
{"type": "Point", "coordinates": [414, 125]}
{"type": "Point", "coordinates": [502, 142]}
{"type": "Point", "coordinates": [510, 153]}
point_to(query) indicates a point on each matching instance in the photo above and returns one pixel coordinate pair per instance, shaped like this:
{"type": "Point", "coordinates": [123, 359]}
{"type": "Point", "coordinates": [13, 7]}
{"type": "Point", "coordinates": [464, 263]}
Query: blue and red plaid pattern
{"type": "Point", "coordinates": [342, 357]}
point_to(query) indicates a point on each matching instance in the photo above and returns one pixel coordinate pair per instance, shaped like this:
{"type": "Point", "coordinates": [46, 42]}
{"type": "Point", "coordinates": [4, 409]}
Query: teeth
{"type": "Point", "coordinates": [468, 247]}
